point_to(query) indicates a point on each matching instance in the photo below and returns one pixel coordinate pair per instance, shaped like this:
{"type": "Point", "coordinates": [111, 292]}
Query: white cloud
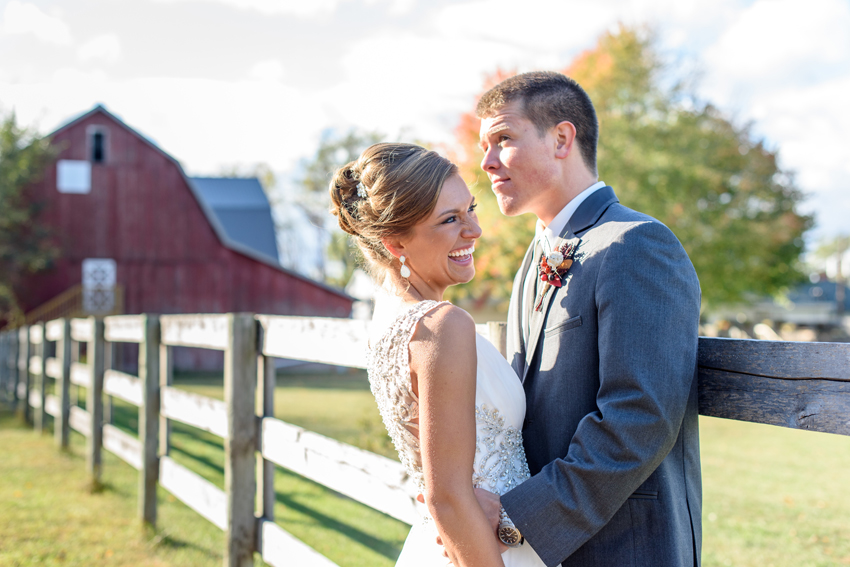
{"type": "Point", "coordinates": [105, 48]}
{"type": "Point", "coordinates": [267, 70]}
{"type": "Point", "coordinates": [25, 18]}
{"type": "Point", "coordinates": [780, 41]}
{"type": "Point", "coordinates": [533, 24]}
{"type": "Point", "coordinates": [304, 8]}
{"type": "Point", "coordinates": [423, 82]}
{"type": "Point", "coordinates": [203, 123]}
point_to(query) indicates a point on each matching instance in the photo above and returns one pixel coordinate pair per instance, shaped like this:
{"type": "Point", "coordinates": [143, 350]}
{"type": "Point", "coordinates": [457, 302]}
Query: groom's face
{"type": "Point", "coordinates": [518, 160]}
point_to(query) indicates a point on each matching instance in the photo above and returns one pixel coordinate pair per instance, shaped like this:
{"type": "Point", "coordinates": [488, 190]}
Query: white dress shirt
{"type": "Point", "coordinates": [547, 235]}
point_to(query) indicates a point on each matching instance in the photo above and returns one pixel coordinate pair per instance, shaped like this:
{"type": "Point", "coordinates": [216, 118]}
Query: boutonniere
{"type": "Point", "coordinates": [553, 269]}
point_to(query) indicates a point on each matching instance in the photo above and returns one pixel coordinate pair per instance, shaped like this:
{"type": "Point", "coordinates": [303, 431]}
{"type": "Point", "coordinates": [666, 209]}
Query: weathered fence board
{"type": "Point", "coordinates": [124, 445]}
{"type": "Point", "coordinates": [124, 328]}
{"type": "Point", "coordinates": [80, 420]}
{"type": "Point", "coordinates": [51, 405]}
{"type": "Point", "coordinates": [195, 491]}
{"type": "Point", "coordinates": [53, 368]}
{"type": "Point", "coordinates": [279, 548]}
{"type": "Point", "coordinates": [35, 365]}
{"type": "Point", "coordinates": [316, 339]}
{"type": "Point", "coordinates": [81, 374]}
{"type": "Point", "coordinates": [203, 331]}
{"type": "Point", "coordinates": [124, 386]}
{"type": "Point", "coordinates": [82, 330]}
{"type": "Point", "coordinates": [815, 405]}
{"type": "Point", "coordinates": [36, 335]}
{"type": "Point", "coordinates": [195, 410]}
{"type": "Point", "coordinates": [797, 385]}
{"type": "Point", "coordinates": [35, 399]}
{"type": "Point", "coordinates": [376, 481]}
{"type": "Point", "coordinates": [53, 330]}
{"type": "Point", "coordinates": [777, 359]}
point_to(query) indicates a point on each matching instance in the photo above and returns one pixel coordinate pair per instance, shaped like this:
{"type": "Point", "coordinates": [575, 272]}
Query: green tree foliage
{"type": "Point", "coordinates": [25, 247]}
{"type": "Point", "coordinates": [333, 152]}
{"type": "Point", "coordinates": [667, 154]}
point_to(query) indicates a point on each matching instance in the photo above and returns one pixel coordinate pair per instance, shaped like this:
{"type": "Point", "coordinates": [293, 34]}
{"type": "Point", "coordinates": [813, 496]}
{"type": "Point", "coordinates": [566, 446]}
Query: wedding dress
{"type": "Point", "coordinates": [499, 413]}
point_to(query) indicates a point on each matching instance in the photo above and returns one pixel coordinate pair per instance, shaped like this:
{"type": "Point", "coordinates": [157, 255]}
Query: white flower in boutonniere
{"type": "Point", "coordinates": [553, 269]}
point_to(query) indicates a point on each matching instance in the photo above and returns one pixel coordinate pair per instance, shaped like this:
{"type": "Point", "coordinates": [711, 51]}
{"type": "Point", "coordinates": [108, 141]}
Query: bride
{"type": "Point", "coordinates": [452, 405]}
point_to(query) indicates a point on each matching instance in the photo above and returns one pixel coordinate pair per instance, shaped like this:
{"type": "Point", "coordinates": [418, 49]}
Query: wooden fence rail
{"type": "Point", "coordinates": [798, 385]}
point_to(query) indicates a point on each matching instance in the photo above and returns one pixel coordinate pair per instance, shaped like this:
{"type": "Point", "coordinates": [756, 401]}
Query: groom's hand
{"type": "Point", "coordinates": [491, 504]}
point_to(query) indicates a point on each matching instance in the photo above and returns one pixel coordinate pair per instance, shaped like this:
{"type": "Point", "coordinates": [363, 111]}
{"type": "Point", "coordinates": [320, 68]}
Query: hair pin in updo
{"type": "Point", "coordinates": [361, 191]}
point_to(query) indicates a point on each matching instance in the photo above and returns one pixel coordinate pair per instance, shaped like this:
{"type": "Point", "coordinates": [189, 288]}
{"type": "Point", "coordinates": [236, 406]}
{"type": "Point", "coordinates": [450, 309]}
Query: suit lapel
{"type": "Point", "coordinates": [538, 317]}
{"type": "Point", "coordinates": [583, 218]}
{"type": "Point", "coordinates": [518, 297]}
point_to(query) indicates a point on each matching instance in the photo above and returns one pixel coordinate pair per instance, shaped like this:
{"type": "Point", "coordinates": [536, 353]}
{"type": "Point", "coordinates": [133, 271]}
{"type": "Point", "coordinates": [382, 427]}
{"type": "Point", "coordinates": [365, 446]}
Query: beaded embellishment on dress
{"type": "Point", "coordinates": [499, 455]}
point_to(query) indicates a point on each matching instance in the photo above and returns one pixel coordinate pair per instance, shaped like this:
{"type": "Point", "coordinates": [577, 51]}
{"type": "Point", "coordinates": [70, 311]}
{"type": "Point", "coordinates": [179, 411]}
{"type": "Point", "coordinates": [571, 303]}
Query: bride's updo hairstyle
{"type": "Point", "coordinates": [384, 193]}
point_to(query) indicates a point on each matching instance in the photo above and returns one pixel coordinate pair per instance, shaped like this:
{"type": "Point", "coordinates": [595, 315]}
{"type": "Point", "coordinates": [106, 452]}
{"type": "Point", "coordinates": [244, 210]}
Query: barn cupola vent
{"type": "Point", "coordinates": [97, 145]}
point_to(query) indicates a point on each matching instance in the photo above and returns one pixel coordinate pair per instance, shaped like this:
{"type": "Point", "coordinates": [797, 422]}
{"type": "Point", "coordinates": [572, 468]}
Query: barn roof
{"type": "Point", "coordinates": [217, 225]}
{"type": "Point", "coordinates": [243, 210]}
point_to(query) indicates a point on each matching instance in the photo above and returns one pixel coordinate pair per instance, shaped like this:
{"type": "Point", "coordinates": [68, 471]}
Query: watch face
{"type": "Point", "coordinates": [509, 535]}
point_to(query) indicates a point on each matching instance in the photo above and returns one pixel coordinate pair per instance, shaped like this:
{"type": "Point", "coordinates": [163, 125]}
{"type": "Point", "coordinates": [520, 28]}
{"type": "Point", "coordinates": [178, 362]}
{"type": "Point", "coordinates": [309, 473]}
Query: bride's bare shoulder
{"type": "Point", "coordinates": [446, 325]}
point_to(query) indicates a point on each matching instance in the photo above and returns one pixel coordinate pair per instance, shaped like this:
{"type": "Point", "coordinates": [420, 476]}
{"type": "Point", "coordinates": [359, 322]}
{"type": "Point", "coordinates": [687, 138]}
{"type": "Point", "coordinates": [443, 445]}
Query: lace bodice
{"type": "Point", "coordinates": [499, 405]}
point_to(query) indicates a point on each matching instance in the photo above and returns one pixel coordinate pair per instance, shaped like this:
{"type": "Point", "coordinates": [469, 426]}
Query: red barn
{"type": "Point", "coordinates": [128, 219]}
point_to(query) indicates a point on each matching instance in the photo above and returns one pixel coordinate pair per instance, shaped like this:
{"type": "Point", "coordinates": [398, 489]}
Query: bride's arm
{"type": "Point", "coordinates": [443, 363]}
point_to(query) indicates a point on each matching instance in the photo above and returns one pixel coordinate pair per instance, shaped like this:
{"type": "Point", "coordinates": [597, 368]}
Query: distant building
{"type": "Point", "coordinates": [139, 236]}
{"type": "Point", "coordinates": [812, 305]}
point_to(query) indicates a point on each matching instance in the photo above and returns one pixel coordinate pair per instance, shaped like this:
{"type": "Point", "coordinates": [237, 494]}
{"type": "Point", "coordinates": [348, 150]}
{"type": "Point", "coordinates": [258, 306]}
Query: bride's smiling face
{"type": "Point", "coordinates": [438, 250]}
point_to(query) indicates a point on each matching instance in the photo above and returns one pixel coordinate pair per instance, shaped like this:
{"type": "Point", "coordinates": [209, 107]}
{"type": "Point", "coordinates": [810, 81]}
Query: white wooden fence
{"type": "Point", "coordinates": [253, 438]}
{"type": "Point", "coordinates": [797, 385]}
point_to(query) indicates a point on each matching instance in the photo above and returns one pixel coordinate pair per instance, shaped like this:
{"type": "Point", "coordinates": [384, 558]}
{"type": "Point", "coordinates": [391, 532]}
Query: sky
{"type": "Point", "coordinates": [229, 83]}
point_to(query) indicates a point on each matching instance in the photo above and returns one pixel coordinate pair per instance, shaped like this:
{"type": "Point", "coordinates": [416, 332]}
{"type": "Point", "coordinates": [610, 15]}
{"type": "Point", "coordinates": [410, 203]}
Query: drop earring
{"type": "Point", "coordinates": [404, 271]}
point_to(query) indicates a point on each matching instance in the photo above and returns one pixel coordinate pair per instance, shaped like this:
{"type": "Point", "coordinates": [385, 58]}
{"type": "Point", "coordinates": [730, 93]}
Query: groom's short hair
{"type": "Point", "coordinates": [548, 98]}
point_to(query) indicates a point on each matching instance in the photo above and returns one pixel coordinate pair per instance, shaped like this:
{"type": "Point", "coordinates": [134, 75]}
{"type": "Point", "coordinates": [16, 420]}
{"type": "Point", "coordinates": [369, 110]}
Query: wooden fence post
{"type": "Point", "coordinates": [240, 482]}
{"type": "Point", "coordinates": [62, 425]}
{"type": "Point", "coordinates": [499, 336]}
{"type": "Point", "coordinates": [265, 408]}
{"type": "Point", "coordinates": [94, 399]}
{"type": "Point", "coordinates": [41, 414]}
{"type": "Point", "coordinates": [22, 361]}
{"type": "Point", "coordinates": [12, 361]}
{"type": "Point", "coordinates": [166, 378]}
{"type": "Point", "coordinates": [108, 364]}
{"type": "Point", "coordinates": [149, 418]}
{"type": "Point", "coordinates": [5, 366]}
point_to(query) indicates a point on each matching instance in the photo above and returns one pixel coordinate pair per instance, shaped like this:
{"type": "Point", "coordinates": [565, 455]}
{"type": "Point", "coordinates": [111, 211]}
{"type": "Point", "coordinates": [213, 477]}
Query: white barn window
{"type": "Point", "coordinates": [73, 176]}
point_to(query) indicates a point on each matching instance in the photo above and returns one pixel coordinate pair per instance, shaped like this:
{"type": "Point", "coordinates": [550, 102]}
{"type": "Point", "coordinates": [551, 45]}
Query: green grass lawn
{"type": "Point", "coordinates": [773, 496]}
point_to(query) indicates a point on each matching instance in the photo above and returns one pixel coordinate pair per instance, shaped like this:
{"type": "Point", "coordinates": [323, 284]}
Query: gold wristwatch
{"type": "Point", "coordinates": [508, 532]}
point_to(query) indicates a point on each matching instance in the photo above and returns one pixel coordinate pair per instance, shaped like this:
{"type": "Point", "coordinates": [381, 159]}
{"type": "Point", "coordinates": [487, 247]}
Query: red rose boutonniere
{"type": "Point", "coordinates": [553, 269]}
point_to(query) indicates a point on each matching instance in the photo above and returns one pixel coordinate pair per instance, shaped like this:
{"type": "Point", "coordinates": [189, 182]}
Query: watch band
{"type": "Point", "coordinates": [508, 532]}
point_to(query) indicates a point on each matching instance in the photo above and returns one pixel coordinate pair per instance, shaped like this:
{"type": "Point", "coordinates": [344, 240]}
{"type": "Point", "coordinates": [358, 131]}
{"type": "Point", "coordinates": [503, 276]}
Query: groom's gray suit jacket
{"type": "Point", "coordinates": [611, 431]}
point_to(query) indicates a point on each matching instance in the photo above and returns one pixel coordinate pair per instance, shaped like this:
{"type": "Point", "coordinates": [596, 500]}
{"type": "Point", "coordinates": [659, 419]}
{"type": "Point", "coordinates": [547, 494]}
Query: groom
{"type": "Point", "coordinates": [606, 347]}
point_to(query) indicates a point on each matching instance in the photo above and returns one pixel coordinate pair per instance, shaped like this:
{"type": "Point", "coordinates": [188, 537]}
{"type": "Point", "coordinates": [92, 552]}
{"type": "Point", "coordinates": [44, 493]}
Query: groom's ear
{"type": "Point", "coordinates": [565, 135]}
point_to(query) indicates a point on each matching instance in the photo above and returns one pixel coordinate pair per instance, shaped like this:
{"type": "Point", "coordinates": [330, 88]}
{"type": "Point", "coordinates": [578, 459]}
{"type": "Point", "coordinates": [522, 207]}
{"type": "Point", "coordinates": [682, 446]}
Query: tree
{"type": "Point", "coordinates": [673, 157]}
{"type": "Point", "coordinates": [333, 152]}
{"type": "Point", "coordinates": [25, 246]}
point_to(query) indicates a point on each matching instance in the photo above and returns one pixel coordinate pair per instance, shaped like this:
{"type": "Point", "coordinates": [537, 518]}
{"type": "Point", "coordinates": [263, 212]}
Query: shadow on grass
{"type": "Point", "coordinates": [165, 540]}
{"type": "Point", "coordinates": [382, 547]}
